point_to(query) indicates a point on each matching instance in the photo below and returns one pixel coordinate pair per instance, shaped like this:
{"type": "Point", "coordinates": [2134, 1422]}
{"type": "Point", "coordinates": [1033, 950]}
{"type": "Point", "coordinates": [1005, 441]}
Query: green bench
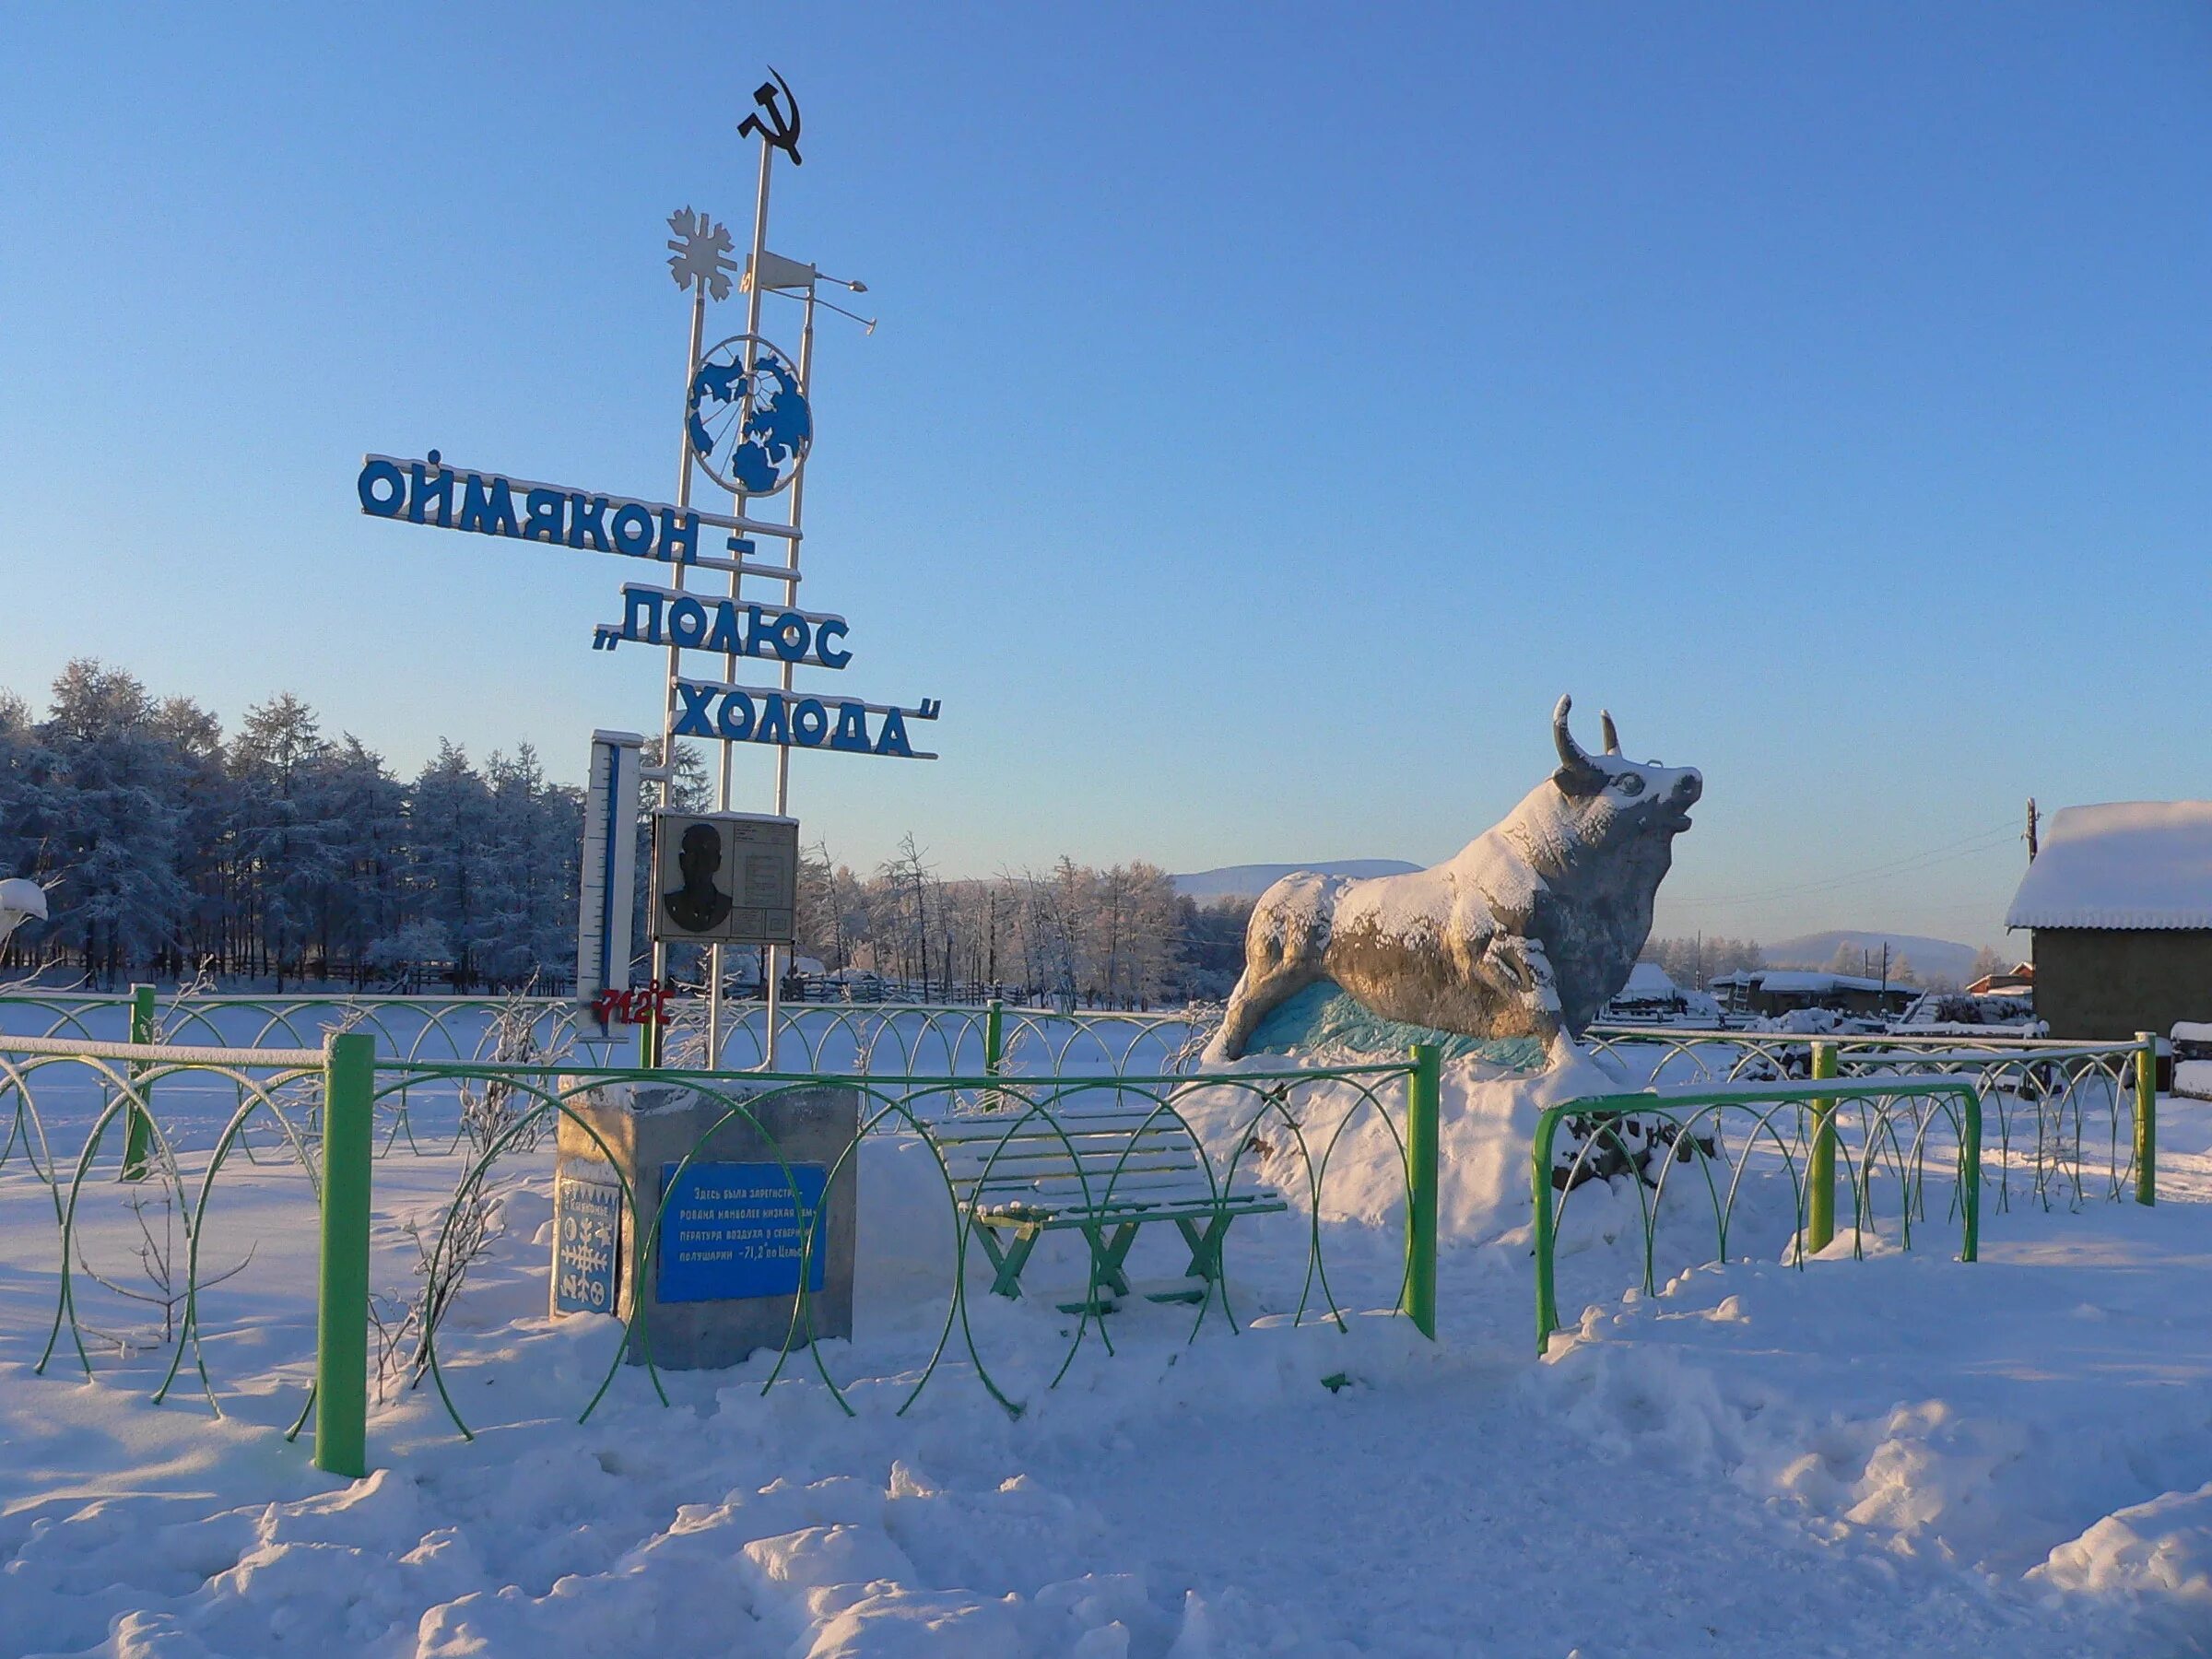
{"type": "Point", "coordinates": [1104, 1174]}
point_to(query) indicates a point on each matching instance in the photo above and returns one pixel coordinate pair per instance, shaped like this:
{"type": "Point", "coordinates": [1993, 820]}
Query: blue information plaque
{"type": "Point", "coordinates": [733, 1230]}
{"type": "Point", "coordinates": [587, 1222]}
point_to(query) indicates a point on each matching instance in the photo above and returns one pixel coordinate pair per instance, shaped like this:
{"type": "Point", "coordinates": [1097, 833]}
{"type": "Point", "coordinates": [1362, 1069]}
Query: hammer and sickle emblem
{"type": "Point", "coordinates": [777, 130]}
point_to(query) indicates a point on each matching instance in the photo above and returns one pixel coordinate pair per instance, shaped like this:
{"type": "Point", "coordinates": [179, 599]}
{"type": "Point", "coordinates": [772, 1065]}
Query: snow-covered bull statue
{"type": "Point", "coordinates": [21, 902]}
{"type": "Point", "coordinates": [1531, 929]}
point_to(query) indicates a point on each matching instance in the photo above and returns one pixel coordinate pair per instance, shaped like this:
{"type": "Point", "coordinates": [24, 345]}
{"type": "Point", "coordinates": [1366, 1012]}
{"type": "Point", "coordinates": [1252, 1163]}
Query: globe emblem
{"type": "Point", "coordinates": [748, 421]}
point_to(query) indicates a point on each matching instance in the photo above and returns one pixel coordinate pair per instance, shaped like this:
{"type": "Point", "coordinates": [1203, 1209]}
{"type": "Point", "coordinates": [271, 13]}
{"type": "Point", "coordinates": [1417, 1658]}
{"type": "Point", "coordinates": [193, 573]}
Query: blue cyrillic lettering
{"type": "Point", "coordinates": [679, 538]}
{"type": "Point", "coordinates": [489, 512]}
{"type": "Point", "coordinates": [735, 721]}
{"type": "Point", "coordinates": [696, 720]}
{"type": "Point", "coordinates": [640, 603]}
{"type": "Point", "coordinates": [587, 522]}
{"type": "Point", "coordinates": [376, 472]}
{"type": "Point", "coordinates": [893, 739]}
{"type": "Point", "coordinates": [545, 508]}
{"type": "Point", "coordinates": [823, 654]}
{"type": "Point", "coordinates": [687, 621]}
{"type": "Point", "coordinates": [793, 636]}
{"type": "Point", "coordinates": [774, 725]}
{"type": "Point", "coordinates": [633, 530]}
{"type": "Point", "coordinates": [437, 483]}
{"type": "Point", "coordinates": [758, 632]}
{"type": "Point", "coordinates": [810, 722]}
{"type": "Point", "coordinates": [852, 727]}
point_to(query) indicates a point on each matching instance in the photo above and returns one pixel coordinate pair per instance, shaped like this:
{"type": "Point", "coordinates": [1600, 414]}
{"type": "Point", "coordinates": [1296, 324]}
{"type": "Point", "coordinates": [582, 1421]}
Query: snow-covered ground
{"type": "Point", "coordinates": [1902, 1454]}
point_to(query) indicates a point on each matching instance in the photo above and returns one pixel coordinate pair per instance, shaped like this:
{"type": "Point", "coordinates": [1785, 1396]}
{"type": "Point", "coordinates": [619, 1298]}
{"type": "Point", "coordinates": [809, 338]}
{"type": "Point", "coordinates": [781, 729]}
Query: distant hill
{"type": "Point", "coordinates": [1931, 959]}
{"type": "Point", "coordinates": [1248, 881]}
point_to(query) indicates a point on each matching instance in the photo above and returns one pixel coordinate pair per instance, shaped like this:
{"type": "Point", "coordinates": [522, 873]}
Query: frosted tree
{"type": "Point", "coordinates": [104, 800]}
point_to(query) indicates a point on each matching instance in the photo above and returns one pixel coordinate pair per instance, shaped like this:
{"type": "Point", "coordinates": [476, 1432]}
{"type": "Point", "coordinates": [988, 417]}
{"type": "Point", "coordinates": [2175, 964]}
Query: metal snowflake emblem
{"type": "Point", "coordinates": [700, 253]}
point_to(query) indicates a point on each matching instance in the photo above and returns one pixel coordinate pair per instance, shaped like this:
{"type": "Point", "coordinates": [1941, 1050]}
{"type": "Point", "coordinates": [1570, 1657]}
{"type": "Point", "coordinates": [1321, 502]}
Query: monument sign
{"type": "Point", "coordinates": [753, 1216]}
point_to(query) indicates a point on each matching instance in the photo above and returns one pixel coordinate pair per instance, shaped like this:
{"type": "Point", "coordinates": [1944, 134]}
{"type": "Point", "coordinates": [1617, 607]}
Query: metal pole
{"type": "Point", "coordinates": [791, 600]}
{"type": "Point", "coordinates": [342, 1300]}
{"type": "Point", "coordinates": [139, 1123]}
{"type": "Point", "coordinates": [1424, 1107]}
{"type": "Point", "coordinates": [648, 1034]}
{"type": "Point", "coordinates": [2146, 1118]}
{"type": "Point", "coordinates": [1820, 1172]}
{"type": "Point", "coordinates": [730, 660]}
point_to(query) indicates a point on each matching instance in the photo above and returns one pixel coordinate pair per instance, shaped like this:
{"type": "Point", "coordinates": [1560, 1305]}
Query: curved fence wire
{"type": "Point", "coordinates": [975, 1179]}
{"type": "Point", "coordinates": [1761, 1156]}
{"type": "Point", "coordinates": [1004, 1156]}
{"type": "Point", "coordinates": [99, 1096]}
{"type": "Point", "coordinates": [888, 1039]}
{"type": "Point", "coordinates": [2067, 1121]}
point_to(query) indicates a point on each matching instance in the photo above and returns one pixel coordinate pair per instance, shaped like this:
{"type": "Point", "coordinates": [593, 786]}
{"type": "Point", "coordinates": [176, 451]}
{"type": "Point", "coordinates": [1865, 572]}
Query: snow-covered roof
{"type": "Point", "coordinates": [1790, 979]}
{"type": "Point", "coordinates": [1648, 980]}
{"type": "Point", "coordinates": [2123, 865]}
{"type": "Point", "coordinates": [1798, 980]}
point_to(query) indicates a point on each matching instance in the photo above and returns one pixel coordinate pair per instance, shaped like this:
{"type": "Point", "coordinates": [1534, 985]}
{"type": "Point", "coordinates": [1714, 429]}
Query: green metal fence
{"type": "Point", "coordinates": [2067, 1120]}
{"type": "Point", "coordinates": [320, 1109]}
{"type": "Point", "coordinates": [891, 1038]}
{"type": "Point", "coordinates": [1876, 1131]}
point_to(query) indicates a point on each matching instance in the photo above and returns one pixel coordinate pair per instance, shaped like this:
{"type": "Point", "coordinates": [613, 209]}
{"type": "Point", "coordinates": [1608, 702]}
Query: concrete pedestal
{"type": "Point", "coordinates": [726, 1267]}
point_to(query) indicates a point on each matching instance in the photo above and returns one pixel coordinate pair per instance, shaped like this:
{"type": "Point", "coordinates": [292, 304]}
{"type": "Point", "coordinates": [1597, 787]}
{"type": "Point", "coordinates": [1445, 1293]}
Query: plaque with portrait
{"type": "Point", "coordinates": [725, 878]}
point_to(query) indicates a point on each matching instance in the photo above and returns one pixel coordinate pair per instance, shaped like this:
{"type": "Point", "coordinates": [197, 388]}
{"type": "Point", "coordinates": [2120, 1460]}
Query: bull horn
{"type": "Point", "coordinates": [1605, 719]}
{"type": "Point", "coordinates": [1571, 752]}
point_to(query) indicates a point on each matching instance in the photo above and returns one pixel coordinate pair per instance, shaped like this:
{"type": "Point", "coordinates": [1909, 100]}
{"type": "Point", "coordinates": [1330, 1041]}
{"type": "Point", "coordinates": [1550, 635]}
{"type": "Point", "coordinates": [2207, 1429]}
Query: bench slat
{"type": "Point", "coordinates": [1038, 1164]}
{"type": "Point", "coordinates": [993, 1125]}
{"type": "Point", "coordinates": [1072, 1195]}
{"type": "Point", "coordinates": [1012, 1208]}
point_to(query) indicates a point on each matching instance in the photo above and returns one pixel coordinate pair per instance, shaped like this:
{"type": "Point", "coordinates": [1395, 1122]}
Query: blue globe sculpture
{"type": "Point", "coordinates": [748, 421]}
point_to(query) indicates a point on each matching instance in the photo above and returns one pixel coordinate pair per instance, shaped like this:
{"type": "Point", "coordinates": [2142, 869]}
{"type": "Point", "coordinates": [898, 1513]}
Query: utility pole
{"type": "Point", "coordinates": [2031, 818]}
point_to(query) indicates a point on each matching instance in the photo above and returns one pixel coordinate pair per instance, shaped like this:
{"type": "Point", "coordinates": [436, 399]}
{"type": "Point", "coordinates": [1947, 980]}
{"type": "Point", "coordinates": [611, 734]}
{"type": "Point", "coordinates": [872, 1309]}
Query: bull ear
{"type": "Point", "coordinates": [1578, 774]}
{"type": "Point", "coordinates": [1612, 735]}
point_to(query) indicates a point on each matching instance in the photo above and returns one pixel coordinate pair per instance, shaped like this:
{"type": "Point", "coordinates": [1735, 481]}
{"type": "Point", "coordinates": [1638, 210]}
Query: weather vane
{"type": "Point", "coordinates": [778, 130]}
{"type": "Point", "coordinates": [700, 253]}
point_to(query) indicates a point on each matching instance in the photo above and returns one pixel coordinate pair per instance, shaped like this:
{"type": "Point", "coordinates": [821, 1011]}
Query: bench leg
{"type": "Point", "coordinates": [1008, 1260]}
{"type": "Point", "coordinates": [1206, 1247]}
{"type": "Point", "coordinates": [1108, 1254]}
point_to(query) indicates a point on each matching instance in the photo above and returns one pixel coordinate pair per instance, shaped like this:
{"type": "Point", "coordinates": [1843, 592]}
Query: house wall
{"type": "Point", "coordinates": [2104, 986]}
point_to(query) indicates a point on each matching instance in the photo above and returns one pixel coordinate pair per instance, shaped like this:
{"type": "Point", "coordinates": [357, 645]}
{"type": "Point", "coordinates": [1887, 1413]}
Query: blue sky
{"type": "Point", "coordinates": [1275, 409]}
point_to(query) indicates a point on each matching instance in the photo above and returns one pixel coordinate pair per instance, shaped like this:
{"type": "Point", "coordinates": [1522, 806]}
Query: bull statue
{"type": "Point", "coordinates": [21, 902]}
{"type": "Point", "coordinates": [1529, 931]}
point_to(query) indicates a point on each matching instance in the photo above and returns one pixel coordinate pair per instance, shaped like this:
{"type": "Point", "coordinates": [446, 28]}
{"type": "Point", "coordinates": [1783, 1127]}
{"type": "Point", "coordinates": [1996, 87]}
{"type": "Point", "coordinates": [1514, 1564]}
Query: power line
{"type": "Point", "coordinates": [1910, 864]}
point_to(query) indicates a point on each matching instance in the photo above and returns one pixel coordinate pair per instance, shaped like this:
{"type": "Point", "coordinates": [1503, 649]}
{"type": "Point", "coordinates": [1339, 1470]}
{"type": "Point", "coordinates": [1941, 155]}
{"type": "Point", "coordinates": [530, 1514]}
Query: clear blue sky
{"type": "Point", "coordinates": [1274, 409]}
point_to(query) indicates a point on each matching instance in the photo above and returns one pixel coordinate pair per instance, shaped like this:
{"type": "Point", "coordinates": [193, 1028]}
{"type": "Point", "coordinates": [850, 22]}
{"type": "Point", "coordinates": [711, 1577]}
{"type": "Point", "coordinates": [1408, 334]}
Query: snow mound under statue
{"type": "Point", "coordinates": [1323, 1022]}
{"type": "Point", "coordinates": [1485, 1134]}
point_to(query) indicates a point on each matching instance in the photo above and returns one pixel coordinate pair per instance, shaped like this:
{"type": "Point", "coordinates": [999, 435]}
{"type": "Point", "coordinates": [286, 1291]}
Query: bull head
{"type": "Point", "coordinates": [1638, 795]}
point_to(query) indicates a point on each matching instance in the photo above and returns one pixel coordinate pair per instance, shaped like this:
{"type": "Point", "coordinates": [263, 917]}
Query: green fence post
{"type": "Point", "coordinates": [1424, 1106]}
{"type": "Point", "coordinates": [1970, 1175]}
{"type": "Point", "coordinates": [138, 1125]}
{"type": "Point", "coordinates": [342, 1303]}
{"type": "Point", "coordinates": [995, 1042]}
{"type": "Point", "coordinates": [2147, 1119]}
{"type": "Point", "coordinates": [1820, 1168]}
{"type": "Point", "coordinates": [1548, 1307]}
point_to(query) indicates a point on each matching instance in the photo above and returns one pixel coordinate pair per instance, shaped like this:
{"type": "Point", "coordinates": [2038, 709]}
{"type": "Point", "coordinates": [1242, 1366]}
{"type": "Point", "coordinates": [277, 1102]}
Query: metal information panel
{"type": "Point", "coordinates": [587, 1223]}
{"type": "Point", "coordinates": [725, 878]}
{"type": "Point", "coordinates": [732, 1230]}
